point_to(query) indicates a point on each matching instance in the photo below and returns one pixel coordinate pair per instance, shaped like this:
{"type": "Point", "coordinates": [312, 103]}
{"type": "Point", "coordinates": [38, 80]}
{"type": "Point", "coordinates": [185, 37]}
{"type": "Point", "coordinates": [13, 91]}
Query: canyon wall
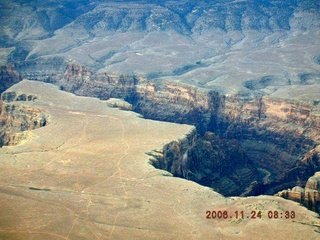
{"type": "Point", "coordinates": [82, 81]}
{"type": "Point", "coordinates": [308, 196]}
{"type": "Point", "coordinates": [264, 139]}
{"type": "Point", "coordinates": [207, 160]}
{"type": "Point", "coordinates": [15, 118]}
{"type": "Point", "coordinates": [8, 77]}
{"type": "Point", "coordinates": [244, 145]}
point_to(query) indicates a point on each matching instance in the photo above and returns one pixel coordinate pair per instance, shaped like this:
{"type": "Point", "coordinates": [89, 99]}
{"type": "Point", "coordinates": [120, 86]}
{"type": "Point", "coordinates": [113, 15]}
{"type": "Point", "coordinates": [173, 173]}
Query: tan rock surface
{"type": "Point", "coordinates": [308, 196]}
{"type": "Point", "coordinates": [86, 176]}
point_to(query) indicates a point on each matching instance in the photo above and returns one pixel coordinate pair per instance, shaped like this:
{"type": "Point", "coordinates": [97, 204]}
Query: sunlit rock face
{"type": "Point", "coordinates": [16, 118]}
{"type": "Point", "coordinates": [308, 196]}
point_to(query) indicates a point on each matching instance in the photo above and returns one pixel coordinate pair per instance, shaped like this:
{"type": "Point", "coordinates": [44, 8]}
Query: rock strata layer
{"type": "Point", "coordinates": [16, 118]}
{"type": "Point", "coordinates": [308, 196]}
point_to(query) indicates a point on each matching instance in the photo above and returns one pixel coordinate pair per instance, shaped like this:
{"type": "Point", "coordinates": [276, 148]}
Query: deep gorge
{"type": "Point", "coordinates": [160, 119]}
{"type": "Point", "coordinates": [243, 145]}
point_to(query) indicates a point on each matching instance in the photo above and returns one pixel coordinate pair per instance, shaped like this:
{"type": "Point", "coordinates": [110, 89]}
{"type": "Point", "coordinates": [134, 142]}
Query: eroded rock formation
{"type": "Point", "coordinates": [207, 160]}
{"type": "Point", "coordinates": [308, 196]}
{"type": "Point", "coordinates": [266, 135]}
{"type": "Point", "coordinates": [232, 68]}
{"type": "Point", "coordinates": [92, 180]}
{"type": "Point", "coordinates": [16, 118]}
{"type": "Point", "coordinates": [184, 52]}
{"type": "Point", "coordinates": [82, 81]}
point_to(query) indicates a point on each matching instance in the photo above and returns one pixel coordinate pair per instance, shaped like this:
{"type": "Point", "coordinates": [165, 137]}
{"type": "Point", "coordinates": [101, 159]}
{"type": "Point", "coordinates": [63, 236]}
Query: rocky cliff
{"type": "Point", "coordinates": [86, 176]}
{"type": "Point", "coordinates": [207, 160]}
{"type": "Point", "coordinates": [274, 133]}
{"type": "Point", "coordinates": [308, 196]}
{"type": "Point", "coordinates": [82, 81]}
{"type": "Point", "coordinates": [269, 142]}
{"type": "Point", "coordinates": [8, 77]}
{"type": "Point", "coordinates": [16, 118]}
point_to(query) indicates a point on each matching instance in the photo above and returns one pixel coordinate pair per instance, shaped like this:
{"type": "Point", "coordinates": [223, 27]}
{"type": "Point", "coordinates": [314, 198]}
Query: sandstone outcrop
{"type": "Point", "coordinates": [16, 118]}
{"type": "Point", "coordinates": [308, 196]}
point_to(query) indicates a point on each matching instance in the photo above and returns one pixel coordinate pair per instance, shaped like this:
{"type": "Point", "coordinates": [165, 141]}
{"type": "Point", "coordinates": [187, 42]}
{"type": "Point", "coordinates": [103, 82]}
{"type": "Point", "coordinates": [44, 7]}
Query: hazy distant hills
{"type": "Point", "coordinates": [206, 43]}
{"type": "Point", "coordinates": [22, 20]}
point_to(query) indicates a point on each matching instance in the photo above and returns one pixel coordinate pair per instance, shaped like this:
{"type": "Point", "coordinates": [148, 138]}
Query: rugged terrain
{"type": "Point", "coordinates": [308, 196]}
{"type": "Point", "coordinates": [14, 118]}
{"type": "Point", "coordinates": [265, 139]}
{"type": "Point", "coordinates": [230, 46]}
{"type": "Point", "coordinates": [246, 74]}
{"type": "Point", "coordinates": [86, 176]}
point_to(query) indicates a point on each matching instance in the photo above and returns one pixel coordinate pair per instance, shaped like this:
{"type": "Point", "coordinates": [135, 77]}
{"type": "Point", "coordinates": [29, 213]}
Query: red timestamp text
{"type": "Point", "coordinates": [223, 214]}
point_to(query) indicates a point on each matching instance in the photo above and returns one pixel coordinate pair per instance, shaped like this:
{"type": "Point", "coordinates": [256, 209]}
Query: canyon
{"type": "Point", "coordinates": [255, 135]}
{"type": "Point", "coordinates": [245, 74]}
{"type": "Point", "coordinates": [271, 144]}
{"type": "Point", "coordinates": [86, 174]}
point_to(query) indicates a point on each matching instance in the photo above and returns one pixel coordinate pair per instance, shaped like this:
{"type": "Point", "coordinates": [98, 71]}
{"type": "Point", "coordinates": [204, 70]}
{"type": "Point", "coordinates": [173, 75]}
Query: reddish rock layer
{"type": "Point", "coordinates": [16, 118]}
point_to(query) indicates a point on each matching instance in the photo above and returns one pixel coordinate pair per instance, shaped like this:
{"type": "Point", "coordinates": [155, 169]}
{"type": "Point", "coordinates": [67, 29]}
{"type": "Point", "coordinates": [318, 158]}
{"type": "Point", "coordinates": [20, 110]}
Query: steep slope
{"type": "Point", "coordinates": [8, 77]}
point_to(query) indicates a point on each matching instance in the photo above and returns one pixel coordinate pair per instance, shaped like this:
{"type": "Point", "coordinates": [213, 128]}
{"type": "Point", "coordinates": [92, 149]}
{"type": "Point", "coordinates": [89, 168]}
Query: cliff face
{"type": "Point", "coordinates": [16, 119]}
{"type": "Point", "coordinates": [207, 160]}
{"type": "Point", "coordinates": [275, 134]}
{"type": "Point", "coordinates": [87, 174]}
{"type": "Point", "coordinates": [82, 81]}
{"type": "Point", "coordinates": [308, 196]}
{"type": "Point", "coordinates": [246, 145]}
{"type": "Point", "coordinates": [266, 137]}
{"type": "Point", "coordinates": [8, 77]}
